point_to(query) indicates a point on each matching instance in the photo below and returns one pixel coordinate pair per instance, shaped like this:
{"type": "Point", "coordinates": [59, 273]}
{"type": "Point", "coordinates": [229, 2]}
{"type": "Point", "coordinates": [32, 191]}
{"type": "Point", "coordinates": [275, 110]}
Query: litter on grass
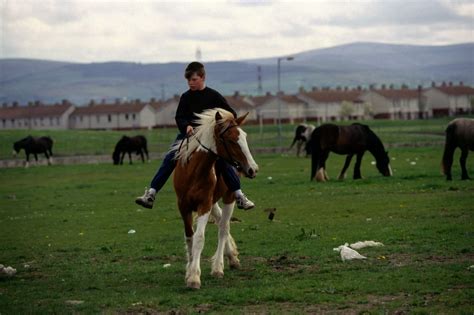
{"type": "Point", "coordinates": [348, 252]}
{"type": "Point", "coordinates": [7, 271]}
{"type": "Point", "coordinates": [359, 245]}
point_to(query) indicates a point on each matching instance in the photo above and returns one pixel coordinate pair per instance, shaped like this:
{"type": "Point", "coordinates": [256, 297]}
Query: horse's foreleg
{"type": "Point", "coordinates": [122, 157]}
{"type": "Point", "coordinates": [193, 278]}
{"type": "Point", "coordinates": [130, 157]}
{"type": "Point", "coordinates": [357, 174]}
{"type": "Point", "coordinates": [47, 157]}
{"type": "Point", "coordinates": [36, 158]}
{"type": "Point", "coordinates": [342, 175]}
{"type": "Point", "coordinates": [141, 155]}
{"type": "Point", "coordinates": [447, 161]}
{"type": "Point", "coordinates": [231, 251]}
{"type": "Point", "coordinates": [462, 161]}
{"type": "Point", "coordinates": [27, 164]}
{"type": "Point", "coordinates": [298, 147]}
{"type": "Point", "coordinates": [321, 175]}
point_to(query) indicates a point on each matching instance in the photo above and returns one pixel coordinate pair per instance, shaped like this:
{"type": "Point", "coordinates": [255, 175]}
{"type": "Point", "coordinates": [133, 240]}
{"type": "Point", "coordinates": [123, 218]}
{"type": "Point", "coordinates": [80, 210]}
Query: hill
{"type": "Point", "coordinates": [351, 65]}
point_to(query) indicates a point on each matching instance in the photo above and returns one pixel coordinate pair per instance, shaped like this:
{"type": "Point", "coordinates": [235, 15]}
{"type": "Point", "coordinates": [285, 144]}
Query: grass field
{"type": "Point", "coordinates": [102, 142]}
{"type": "Point", "coordinates": [65, 229]}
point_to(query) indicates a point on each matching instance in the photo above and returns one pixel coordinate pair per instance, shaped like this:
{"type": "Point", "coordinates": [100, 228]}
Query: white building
{"type": "Point", "coordinates": [449, 99]}
{"type": "Point", "coordinates": [35, 116]}
{"type": "Point", "coordinates": [130, 115]}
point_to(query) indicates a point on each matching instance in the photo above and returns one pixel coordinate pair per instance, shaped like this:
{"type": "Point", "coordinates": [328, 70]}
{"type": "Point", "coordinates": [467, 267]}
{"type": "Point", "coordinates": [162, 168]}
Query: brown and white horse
{"type": "Point", "coordinates": [198, 188]}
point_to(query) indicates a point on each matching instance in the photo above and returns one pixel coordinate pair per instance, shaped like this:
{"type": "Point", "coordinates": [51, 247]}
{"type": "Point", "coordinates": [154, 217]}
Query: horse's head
{"type": "Point", "coordinates": [231, 144]}
{"type": "Point", "coordinates": [116, 157]}
{"type": "Point", "coordinates": [383, 164]}
{"type": "Point", "coordinates": [21, 144]}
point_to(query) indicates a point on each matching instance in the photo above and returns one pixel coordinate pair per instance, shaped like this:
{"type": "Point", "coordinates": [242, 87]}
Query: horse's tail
{"type": "Point", "coordinates": [314, 145]}
{"type": "Point", "coordinates": [449, 147]}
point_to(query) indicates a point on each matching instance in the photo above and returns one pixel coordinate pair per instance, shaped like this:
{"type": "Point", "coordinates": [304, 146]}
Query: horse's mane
{"type": "Point", "coordinates": [204, 132]}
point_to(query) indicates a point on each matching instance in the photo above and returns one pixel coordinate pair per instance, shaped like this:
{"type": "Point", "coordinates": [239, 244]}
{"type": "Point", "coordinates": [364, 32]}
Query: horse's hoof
{"type": "Point", "coordinates": [193, 285]}
{"type": "Point", "coordinates": [217, 274]}
{"type": "Point", "coordinates": [234, 264]}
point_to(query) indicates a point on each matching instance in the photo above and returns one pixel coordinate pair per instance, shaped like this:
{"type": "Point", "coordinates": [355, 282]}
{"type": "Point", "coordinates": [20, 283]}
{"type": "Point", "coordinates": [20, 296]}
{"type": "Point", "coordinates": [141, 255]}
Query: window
{"type": "Point", "coordinates": [109, 118]}
{"type": "Point", "coordinates": [126, 116]}
{"type": "Point", "coordinates": [133, 116]}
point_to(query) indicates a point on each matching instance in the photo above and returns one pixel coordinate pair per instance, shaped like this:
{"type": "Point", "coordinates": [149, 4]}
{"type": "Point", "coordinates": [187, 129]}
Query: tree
{"type": "Point", "coordinates": [347, 109]}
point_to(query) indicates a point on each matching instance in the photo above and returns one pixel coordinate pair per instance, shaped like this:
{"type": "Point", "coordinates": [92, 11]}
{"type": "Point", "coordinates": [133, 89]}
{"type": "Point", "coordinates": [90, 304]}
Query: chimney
{"type": "Point", "coordinates": [314, 89]}
{"type": "Point", "coordinates": [338, 88]}
{"type": "Point", "coordinates": [268, 94]}
{"type": "Point", "coordinates": [65, 102]}
{"type": "Point", "coordinates": [450, 83]}
{"type": "Point", "coordinates": [15, 104]}
{"type": "Point", "coordinates": [443, 84]}
{"type": "Point", "coordinates": [117, 101]}
{"type": "Point", "coordinates": [236, 94]}
{"type": "Point", "coordinates": [359, 88]}
{"type": "Point", "coordinates": [433, 84]}
{"type": "Point", "coordinates": [152, 100]}
{"type": "Point", "coordinates": [383, 86]}
{"type": "Point", "coordinates": [103, 101]}
{"type": "Point", "coordinates": [301, 89]}
{"type": "Point", "coordinates": [346, 88]}
{"type": "Point", "coordinates": [91, 103]}
{"type": "Point", "coordinates": [461, 83]}
{"type": "Point", "coordinates": [37, 103]}
{"type": "Point", "coordinates": [420, 88]}
{"type": "Point", "coordinates": [391, 86]}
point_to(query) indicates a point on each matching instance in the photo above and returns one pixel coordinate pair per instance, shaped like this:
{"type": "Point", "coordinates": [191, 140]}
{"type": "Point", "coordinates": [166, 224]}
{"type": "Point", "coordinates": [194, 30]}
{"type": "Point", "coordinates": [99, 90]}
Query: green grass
{"type": "Point", "coordinates": [65, 229]}
{"type": "Point", "coordinates": [94, 142]}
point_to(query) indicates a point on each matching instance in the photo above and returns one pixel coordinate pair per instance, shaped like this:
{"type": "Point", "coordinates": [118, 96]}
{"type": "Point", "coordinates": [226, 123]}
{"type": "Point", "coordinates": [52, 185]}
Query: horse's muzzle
{"type": "Point", "coordinates": [251, 172]}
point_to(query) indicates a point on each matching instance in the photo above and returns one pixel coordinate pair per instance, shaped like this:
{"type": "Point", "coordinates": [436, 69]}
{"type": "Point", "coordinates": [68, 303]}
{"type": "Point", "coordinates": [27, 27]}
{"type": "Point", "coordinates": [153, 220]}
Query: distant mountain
{"type": "Point", "coordinates": [350, 65]}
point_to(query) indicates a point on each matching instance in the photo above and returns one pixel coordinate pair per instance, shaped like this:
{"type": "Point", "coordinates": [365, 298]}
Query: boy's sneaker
{"type": "Point", "coordinates": [244, 203]}
{"type": "Point", "coordinates": [146, 200]}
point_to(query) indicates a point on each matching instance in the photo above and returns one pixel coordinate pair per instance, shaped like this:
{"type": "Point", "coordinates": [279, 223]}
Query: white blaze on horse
{"type": "Point", "coordinates": [198, 188]}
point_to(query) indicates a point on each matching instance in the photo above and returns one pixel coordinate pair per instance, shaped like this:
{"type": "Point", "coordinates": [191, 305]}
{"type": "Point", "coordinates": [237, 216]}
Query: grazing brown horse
{"type": "Point", "coordinates": [198, 188]}
{"type": "Point", "coordinates": [34, 145]}
{"type": "Point", "coordinates": [347, 140]}
{"type": "Point", "coordinates": [137, 144]}
{"type": "Point", "coordinates": [459, 134]}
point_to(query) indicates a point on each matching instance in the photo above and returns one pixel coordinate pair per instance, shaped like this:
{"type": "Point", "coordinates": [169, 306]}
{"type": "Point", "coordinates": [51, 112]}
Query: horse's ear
{"type": "Point", "coordinates": [241, 119]}
{"type": "Point", "coordinates": [218, 116]}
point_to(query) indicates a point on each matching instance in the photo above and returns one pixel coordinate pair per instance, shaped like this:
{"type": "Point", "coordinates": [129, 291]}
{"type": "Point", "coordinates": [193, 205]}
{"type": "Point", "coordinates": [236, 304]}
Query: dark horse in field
{"type": "Point", "coordinates": [137, 144]}
{"type": "Point", "coordinates": [302, 135]}
{"type": "Point", "coordinates": [347, 140]}
{"type": "Point", "coordinates": [34, 145]}
{"type": "Point", "coordinates": [459, 133]}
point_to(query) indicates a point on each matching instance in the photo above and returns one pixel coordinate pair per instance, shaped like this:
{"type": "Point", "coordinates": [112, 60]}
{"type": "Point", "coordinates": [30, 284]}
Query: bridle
{"type": "Point", "coordinates": [229, 160]}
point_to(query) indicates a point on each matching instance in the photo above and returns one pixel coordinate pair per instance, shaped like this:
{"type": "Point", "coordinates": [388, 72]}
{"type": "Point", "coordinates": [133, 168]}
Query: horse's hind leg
{"type": "Point", "coordinates": [342, 175]}
{"type": "Point", "coordinates": [130, 157]}
{"type": "Point", "coordinates": [141, 156]}
{"type": "Point", "coordinates": [357, 174]}
{"type": "Point", "coordinates": [321, 175]}
{"type": "Point", "coordinates": [462, 161]}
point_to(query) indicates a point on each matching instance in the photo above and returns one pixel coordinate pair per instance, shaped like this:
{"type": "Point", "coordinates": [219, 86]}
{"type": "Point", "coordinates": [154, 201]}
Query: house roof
{"type": "Point", "coordinates": [159, 105]}
{"type": "Point", "coordinates": [33, 111]}
{"type": "Point", "coordinates": [397, 94]}
{"type": "Point", "coordinates": [109, 109]}
{"type": "Point", "coordinates": [334, 96]}
{"type": "Point", "coordinates": [238, 102]}
{"type": "Point", "coordinates": [456, 90]}
{"type": "Point", "coordinates": [260, 100]}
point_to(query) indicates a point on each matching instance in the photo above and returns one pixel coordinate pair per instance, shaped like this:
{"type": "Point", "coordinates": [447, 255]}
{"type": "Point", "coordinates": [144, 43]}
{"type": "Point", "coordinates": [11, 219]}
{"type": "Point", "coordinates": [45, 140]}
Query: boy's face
{"type": "Point", "coordinates": [196, 83]}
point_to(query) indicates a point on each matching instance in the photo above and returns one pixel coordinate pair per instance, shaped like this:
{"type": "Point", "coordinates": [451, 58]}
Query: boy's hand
{"type": "Point", "coordinates": [189, 130]}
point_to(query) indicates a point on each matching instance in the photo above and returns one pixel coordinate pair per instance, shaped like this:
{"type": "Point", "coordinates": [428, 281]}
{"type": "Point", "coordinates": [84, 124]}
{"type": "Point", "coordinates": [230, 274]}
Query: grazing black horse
{"type": "Point", "coordinates": [34, 145]}
{"type": "Point", "coordinates": [459, 133]}
{"type": "Point", "coordinates": [137, 144]}
{"type": "Point", "coordinates": [302, 135]}
{"type": "Point", "coordinates": [347, 140]}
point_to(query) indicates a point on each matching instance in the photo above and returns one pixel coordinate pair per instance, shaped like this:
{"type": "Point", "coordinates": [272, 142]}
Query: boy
{"type": "Point", "coordinates": [198, 98]}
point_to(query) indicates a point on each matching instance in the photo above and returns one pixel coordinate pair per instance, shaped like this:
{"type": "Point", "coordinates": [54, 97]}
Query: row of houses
{"type": "Point", "coordinates": [318, 104]}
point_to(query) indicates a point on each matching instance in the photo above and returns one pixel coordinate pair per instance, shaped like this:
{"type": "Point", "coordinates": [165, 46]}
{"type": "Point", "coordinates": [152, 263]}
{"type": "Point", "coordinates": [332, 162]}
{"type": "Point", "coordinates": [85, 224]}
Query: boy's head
{"type": "Point", "coordinates": [195, 75]}
{"type": "Point", "coordinates": [194, 68]}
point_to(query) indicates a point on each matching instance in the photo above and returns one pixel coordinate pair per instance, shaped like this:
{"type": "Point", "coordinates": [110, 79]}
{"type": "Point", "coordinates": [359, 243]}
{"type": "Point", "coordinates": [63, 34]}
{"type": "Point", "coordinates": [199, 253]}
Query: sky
{"type": "Point", "coordinates": [149, 31]}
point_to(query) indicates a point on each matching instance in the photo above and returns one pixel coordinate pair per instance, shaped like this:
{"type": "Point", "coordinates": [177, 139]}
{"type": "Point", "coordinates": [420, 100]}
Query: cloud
{"type": "Point", "coordinates": [163, 31]}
